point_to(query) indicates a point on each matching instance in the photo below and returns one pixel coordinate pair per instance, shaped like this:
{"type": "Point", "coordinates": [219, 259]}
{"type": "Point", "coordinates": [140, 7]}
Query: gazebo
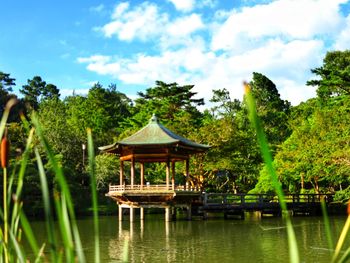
{"type": "Point", "coordinates": [154, 143]}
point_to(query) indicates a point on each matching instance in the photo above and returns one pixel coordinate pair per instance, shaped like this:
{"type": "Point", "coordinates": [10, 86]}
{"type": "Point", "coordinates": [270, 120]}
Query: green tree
{"type": "Point", "coordinates": [176, 107]}
{"type": "Point", "coordinates": [333, 75]}
{"type": "Point", "coordinates": [37, 90]}
{"type": "Point", "coordinates": [6, 84]}
{"type": "Point", "coordinates": [272, 110]}
{"type": "Point", "coordinates": [315, 157]}
{"type": "Point", "coordinates": [107, 170]}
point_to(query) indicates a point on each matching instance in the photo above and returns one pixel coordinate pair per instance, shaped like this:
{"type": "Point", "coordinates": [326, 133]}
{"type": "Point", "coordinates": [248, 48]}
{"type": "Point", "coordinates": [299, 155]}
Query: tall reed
{"type": "Point", "coordinates": [267, 157]}
{"type": "Point", "coordinates": [336, 254]}
{"type": "Point", "coordinates": [64, 244]}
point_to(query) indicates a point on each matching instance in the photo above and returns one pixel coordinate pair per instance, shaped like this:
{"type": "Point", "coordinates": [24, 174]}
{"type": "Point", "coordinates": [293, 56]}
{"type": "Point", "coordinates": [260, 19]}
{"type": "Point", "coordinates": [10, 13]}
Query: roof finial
{"type": "Point", "coordinates": [154, 119]}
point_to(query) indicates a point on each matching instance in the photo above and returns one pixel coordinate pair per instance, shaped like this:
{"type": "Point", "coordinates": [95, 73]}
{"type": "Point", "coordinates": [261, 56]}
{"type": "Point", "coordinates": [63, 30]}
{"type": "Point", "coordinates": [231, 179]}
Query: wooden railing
{"type": "Point", "coordinates": [162, 187]}
{"type": "Point", "coordinates": [241, 199]}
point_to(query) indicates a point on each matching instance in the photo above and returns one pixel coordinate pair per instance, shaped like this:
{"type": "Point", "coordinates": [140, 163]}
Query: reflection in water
{"type": "Point", "coordinates": [213, 240]}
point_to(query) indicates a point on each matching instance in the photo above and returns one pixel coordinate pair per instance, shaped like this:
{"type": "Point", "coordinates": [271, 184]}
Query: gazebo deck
{"type": "Point", "coordinates": [117, 189]}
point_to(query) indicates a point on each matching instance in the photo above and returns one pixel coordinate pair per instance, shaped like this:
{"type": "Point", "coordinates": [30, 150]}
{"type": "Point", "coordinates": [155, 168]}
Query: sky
{"type": "Point", "coordinates": [212, 44]}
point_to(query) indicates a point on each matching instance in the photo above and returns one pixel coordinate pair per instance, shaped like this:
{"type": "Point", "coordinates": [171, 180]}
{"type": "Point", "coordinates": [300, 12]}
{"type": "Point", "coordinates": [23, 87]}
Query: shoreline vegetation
{"type": "Point", "coordinates": [261, 145]}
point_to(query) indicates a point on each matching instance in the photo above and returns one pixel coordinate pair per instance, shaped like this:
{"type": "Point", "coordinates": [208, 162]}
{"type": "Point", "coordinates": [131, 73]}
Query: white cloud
{"type": "Point", "coordinates": [302, 19]}
{"type": "Point", "coordinates": [183, 5]}
{"type": "Point", "coordinates": [282, 40]}
{"type": "Point", "coordinates": [184, 26]}
{"type": "Point", "coordinates": [343, 39]}
{"type": "Point", "coordinates": [142, 22]}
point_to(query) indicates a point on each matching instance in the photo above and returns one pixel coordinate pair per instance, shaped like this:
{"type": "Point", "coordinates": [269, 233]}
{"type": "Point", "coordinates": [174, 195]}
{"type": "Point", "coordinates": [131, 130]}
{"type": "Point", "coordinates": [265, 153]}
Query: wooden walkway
{"type": "Point", "coordinates": [237, 204]}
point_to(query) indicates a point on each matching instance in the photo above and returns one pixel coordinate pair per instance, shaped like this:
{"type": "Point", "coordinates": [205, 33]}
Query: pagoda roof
{"type": "Point", "coordinates": [154, 135]}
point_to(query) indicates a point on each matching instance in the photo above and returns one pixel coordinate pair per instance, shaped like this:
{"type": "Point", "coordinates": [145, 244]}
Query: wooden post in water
{"type": "Point", "coordinates": [167, 214]}
{"type": "Point", "coordinates": [142, 213]}
{"type": "Point", "coordinates": [120, 213]}
{"type": "Point", "coordinates": [132, 214]}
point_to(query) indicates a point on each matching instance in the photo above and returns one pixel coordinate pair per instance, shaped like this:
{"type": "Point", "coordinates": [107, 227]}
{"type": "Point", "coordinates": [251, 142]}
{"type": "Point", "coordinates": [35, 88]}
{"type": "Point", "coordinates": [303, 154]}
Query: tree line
{"type": "Point", "coordinates": [309, 142]}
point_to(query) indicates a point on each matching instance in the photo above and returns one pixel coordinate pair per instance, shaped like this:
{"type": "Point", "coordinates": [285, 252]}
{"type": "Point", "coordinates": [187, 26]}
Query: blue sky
{"type": "Point", "coordinates": [209, 43]}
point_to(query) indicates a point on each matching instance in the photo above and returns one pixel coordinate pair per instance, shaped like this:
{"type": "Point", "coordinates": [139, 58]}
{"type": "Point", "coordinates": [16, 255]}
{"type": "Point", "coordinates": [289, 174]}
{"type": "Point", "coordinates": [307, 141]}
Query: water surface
{"type": "Point", "coordinates": [213, 240]}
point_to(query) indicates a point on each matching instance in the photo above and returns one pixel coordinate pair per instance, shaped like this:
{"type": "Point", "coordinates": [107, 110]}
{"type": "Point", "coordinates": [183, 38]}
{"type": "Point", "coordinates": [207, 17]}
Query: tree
{"type": "Point", "coordinates": [315, 158]}
{"type": "Point", "coordinates": [37, 90]}
{"type": "Point", "coordinates": [226, 106]}
{"type": "Point", "coordinates": [6, 84]}
{"type": "Point", "coordinates": [174, 105]}
{"type": "Point", "coordinates": [102, 110]}
{"type": "Point", "coordinates": [107, 170]}
{"type": "Point", "coordinates": [272, 110]}
{"type": "Point", "coordinates": [334, 75]}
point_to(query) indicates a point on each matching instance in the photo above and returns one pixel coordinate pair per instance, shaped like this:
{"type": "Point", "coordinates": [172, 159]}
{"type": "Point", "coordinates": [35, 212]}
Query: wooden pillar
{"type": "Point", "coordinates": [142, 174]}
{"type": "Point", "coordinates": [120, 213]}
{"type": "Point", "coordinates": [121, 175]}
{"type": "Point", "coordinates": [142, 213]}
{"type": "Point", "coordinates": [173, 175]}
{"type": "Point", "coordinates": [132, 214]}
{"type": "Point", "coordinates": [187, 173]}
{"type": "Point", "coordinates": [167, 173]}
{"type": "Point", "coordinates": [132, 172]}
{"type": "Point", "coordinates": [167, 214]}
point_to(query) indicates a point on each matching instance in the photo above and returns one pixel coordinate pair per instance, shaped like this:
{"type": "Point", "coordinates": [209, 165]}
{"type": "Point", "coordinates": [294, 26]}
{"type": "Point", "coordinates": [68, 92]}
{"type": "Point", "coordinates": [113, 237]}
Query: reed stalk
{"type": "Point", "coordinates": [267, 157]}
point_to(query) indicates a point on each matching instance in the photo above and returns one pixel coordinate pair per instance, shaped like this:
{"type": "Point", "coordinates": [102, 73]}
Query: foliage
{"type": "Point", "coordinates": [107, 170]}
{"type": "Point", "coordinates": [316, 155]}
{"type": "Point", "coordinates": [333, 75]}
{"type": "Point", "coordinates": [37, 90]}
{"type": "Point", "coordinates": [173, 104]}
{"type": "Point", "coordinates": [272, 110]}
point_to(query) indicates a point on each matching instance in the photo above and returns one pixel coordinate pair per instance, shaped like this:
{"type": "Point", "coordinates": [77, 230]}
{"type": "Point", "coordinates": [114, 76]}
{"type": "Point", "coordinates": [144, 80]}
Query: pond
{"type": "Point", "coordinates": [253, 239]}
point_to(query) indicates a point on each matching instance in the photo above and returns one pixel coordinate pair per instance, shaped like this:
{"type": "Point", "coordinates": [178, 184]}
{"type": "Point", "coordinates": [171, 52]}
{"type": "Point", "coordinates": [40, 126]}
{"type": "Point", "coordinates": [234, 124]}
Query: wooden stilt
{"type": "Point", "coordinates": [120, 213]}
{"type": "Point", "coordinates": [132, 214]}
{"type": "Point", "coordinates": [142, 213]}
{"type": "Point", "coordinates": [167, 214]}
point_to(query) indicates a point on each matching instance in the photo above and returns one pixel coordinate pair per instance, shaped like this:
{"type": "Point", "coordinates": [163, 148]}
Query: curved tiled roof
{"type": "Point", "coordinates": [155, 133]}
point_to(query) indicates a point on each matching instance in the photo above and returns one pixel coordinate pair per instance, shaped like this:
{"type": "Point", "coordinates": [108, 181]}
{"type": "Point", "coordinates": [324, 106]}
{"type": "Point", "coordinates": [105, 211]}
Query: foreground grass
{"type": "Point", "coordinates": [267, 157]}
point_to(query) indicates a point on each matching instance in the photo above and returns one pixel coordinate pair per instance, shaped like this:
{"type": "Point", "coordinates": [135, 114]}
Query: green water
{"type": "Point", "coordinates": [213, 240]}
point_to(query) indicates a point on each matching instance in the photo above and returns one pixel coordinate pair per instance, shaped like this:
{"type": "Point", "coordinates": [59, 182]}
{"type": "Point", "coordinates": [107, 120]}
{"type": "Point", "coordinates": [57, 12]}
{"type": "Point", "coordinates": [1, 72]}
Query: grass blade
{"type": "Point", "coordinates": [94, 194]}
{"type": "Point", "coordinates": [64, 229]}
{"type": "Point", "coordinates": [47, 208]}
{"type": "Point", "coordinates": [24, 161]}
{"type": "Point", "coordinates": [341, 238]}
{"type": "Point", "coordinates": [327, 225]}
{"type": "Point", "coordinates": [66, 195]}
{"type": "Point", "coordinates": [19, 253]}
{"type": "Point", "coordinates": [266, 154]}
{"type": "Point", "coordinates": [29, 233]}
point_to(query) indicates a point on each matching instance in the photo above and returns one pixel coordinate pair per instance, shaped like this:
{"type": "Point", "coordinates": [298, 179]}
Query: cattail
{"type": "Point", "coordinates": [4, 151]}
{"type": "Point", "coordinates": [246, 87]}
